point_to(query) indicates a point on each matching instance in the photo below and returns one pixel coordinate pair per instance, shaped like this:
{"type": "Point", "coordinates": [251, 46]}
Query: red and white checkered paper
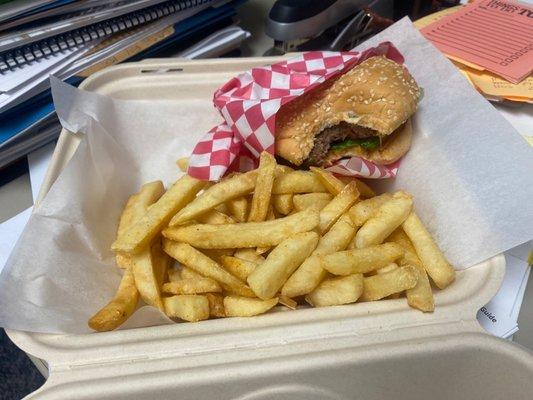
{"type": "Point", "coordinates": [249, 103]}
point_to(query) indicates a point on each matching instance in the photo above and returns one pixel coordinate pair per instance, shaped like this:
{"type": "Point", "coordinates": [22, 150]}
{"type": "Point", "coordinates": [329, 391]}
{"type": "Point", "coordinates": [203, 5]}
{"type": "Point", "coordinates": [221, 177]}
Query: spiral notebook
{"type": "Point", "coordinates": [20, 48]}
{"type": "Point", "coordinates": [27, 73]}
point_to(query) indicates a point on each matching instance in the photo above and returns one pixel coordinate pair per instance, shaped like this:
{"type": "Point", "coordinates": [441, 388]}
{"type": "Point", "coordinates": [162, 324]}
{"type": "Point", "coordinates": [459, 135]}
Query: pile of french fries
{"type": "Point", "coordinates": [269, 236]}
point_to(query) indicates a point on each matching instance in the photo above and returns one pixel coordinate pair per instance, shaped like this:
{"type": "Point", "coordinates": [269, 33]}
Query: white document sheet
{"type": "Point", "coordinates": [500, 315]}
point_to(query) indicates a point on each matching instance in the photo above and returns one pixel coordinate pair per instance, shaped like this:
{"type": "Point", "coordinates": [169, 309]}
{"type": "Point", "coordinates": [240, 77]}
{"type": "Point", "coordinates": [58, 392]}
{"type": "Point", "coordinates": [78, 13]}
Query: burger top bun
{"type": "Point", "coordinates": [377, 94]}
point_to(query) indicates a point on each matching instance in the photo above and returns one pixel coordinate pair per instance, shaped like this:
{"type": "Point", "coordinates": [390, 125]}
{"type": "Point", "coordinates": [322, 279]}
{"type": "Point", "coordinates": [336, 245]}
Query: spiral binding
{"type": "Point", "coordinates": [71, 40]}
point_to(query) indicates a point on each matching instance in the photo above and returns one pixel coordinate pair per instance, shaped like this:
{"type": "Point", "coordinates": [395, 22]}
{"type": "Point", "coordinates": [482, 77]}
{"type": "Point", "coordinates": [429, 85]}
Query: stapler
{"type": "Point", "coordinates": [301, 25]}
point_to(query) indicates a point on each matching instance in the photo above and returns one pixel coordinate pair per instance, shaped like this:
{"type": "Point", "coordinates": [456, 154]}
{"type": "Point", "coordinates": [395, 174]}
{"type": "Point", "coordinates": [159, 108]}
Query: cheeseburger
{"type": "Point", "coordinates": [364, 112]}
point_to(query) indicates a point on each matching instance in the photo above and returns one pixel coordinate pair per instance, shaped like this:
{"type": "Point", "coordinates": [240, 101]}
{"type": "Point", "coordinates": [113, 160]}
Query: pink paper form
{"type": "Point", "coordinates": [494, 34]}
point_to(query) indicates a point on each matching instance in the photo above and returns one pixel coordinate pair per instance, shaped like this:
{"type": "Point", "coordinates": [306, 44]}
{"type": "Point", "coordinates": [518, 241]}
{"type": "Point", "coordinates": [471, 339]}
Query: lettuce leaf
{"type": "Point", "coordinates": [370, 143]}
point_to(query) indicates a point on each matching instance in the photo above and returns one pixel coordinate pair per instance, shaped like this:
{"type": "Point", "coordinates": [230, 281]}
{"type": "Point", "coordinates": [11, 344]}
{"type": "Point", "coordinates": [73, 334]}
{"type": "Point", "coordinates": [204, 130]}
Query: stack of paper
{"type": "Point", "coordinates": [500, 316]}
{"type": "Point", "coordinates": [74, 39]}
{"type": "Point", "coordinates": [490, 42]}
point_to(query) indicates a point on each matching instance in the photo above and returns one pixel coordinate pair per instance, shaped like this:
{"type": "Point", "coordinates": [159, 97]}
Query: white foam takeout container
{"type": "Point", "coordinates": [372, 350]}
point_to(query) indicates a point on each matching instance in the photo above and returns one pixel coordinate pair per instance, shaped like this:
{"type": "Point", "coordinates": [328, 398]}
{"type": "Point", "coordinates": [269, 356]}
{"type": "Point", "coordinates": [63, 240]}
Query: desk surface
{"type": "Point", "coordinates": [16, 196]}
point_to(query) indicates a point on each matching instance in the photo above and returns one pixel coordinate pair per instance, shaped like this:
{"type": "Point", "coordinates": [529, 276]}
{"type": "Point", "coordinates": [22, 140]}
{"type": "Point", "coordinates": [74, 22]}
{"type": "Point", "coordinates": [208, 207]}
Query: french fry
{"type": "Point", "coordinates": [331, 183]}
{"type": "Point", "coordinates": [235, 306]}
{"type": "Point", "coordinates": [382, 285]}
{"type": "Point", "coordinates": [271, 215]}
{"type": "Point", "coordinates": [384, 270]}
{"type": "Point", "coordinates": [188, 307]}
{"type": "Point", "coordinates": [421, 296]}
{"type": "Point", "coordinates": [263, 188]}
{"type": "Point", "coordinates": [149, 269]}
{"type": "Point", "coordinates": [123, 261]}
{"type": "Point", "coordinates": [217, 254]}
{"type": "Point", "coordinates": [434, 262]}
{"type": "Point", "coordinates": [410, 257]}
{"type": "Point", "coordinates": [287, 302]}
{"type": "Point", "coordinates": [310, 273]}
{"type": "Point", "coordinates": [297, 182]}
{"type": "Point", "coordinates": [249, 255]}
{"type": "Point", "coordinates": [187, 273]}
{"type": "Point", "coordinates": [263, 250]}
{"type": "Point", "coordinates": [283, 203]}
{"type": "Point", "coordinates": [249, 234]}
{"type": "Point", "coordinates": [157, 216]}
{"type": "Point", "coordinates": [361, 261]}
{"type": "Point", "coordinates": [216, 305]}
{"type": "Point", "coordinates": [282, 169]}
{"type": "Point", "coordinates": [215, 217]}
{"type": "Point", "coordinates": [337, 291]}
{"type": "Point", "coordinates": [138, 203]}
{"type": "Point", "coordinates": [183, 163]}
{"type": "Point", "coordinates": [136, 207]}
{"type": "Point", "coordinates": [238, 208]}
{"type": "Point", "coordinates": [192, 286]}
{"type": "Point", "coordinates": [361, 211]}
{"type": "Point", "coordinates": [335, 184]}
{"type": "Point", "coordinates": [238, 267]}
{"type": "Point", "coordinates": [174, 275]}
{"type": "Point", "coordinates": [223, 208]}
{"type": "Point", "coordinates": [161, 261]}
{"type": "Point", "coordinates": [316, 201]}
{"type": "Point", "coordinates": [365, 190]}
{"type": "Point", "coordinates": [338, 206]}
{"type": "Point", "coordinates": [205, 266]}
{"type": "Point", "coordinates": [120, 308]}
{"type": "Point", "coordinates": [351, 245]}
{"type": "Point", "coordinates": [383, 222]}
{"type": "Point", "coordinates": [228, 189]}
{"type": "Point", "coordinates": [269, 277]}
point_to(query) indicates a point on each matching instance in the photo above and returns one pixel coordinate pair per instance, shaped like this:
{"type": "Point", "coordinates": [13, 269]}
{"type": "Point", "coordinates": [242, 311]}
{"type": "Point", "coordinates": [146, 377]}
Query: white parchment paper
{"type": "Point", "coordinates": [470, 172]}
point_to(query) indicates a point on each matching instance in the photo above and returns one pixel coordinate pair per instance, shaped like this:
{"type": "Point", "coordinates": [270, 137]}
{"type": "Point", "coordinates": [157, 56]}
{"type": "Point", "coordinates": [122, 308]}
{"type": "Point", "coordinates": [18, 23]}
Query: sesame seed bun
{"type": "Point", "coordinates": [374, 98]}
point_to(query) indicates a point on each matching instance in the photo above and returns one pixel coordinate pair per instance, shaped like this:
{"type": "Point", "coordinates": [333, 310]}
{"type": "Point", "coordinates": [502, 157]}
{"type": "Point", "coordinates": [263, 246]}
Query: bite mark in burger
{"type": "Point", "coordinates": [364, 112]}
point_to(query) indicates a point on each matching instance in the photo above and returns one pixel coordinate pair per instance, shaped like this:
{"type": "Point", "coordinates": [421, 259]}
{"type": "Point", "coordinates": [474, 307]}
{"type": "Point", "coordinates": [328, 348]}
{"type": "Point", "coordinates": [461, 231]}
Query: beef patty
{"type": "Point", "coordinates": [333, 134]}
